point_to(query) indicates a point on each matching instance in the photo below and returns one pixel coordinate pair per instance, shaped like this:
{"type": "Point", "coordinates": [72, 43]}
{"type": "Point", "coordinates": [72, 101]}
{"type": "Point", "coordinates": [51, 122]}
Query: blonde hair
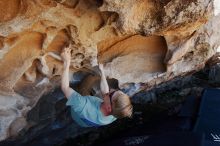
{"type": "Point", "coordinates": [122, 106]}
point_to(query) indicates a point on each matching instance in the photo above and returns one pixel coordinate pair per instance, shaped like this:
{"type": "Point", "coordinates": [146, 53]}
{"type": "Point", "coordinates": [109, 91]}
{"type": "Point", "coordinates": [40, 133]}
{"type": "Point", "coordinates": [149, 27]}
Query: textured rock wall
{"type": "Point", "coordinates": [141, 43]}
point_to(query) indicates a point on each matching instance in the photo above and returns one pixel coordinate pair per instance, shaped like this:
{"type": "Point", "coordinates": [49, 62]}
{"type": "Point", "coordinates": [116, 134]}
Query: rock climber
{"type": "Point", "coordinates": [91, 111]}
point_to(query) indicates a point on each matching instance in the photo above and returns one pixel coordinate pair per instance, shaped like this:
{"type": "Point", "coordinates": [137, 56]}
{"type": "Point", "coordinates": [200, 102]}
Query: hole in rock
{"type": "Point", "coordinates": [69, 3]}
{"type": "Point", "coordinates": [80, 56]}
{"type": "Point", "coordinates": [94, 90]}
{"type": "Point", "coordinates": [165, 2]}
{"type": "Point", "coordinates": [96, 3]}
{"type": "Point", "coordinates": [109, 17]}
{"type": "Point", "coordinates": [89, 84]}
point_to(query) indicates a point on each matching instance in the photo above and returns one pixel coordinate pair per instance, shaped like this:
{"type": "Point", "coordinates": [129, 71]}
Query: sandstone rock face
{"type": "Point", "coordinates": [15, 62]}
{"type": "Point", "coordinates": [134, 59]}
{"type": "Point", "coordinates": [141, 43]}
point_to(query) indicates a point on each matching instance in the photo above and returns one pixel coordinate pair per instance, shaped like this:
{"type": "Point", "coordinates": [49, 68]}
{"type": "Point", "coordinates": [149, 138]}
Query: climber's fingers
{"type": "Point", "coordinates": [67, 50]}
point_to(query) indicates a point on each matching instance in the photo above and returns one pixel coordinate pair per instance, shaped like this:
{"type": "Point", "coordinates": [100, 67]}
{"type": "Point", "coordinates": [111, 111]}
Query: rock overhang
{"type": "Point", "coordinates": [143, 43]}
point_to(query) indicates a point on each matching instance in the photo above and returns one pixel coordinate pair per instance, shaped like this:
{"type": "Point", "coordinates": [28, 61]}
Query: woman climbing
{"type": "Point", "coordinates": [89, 111]}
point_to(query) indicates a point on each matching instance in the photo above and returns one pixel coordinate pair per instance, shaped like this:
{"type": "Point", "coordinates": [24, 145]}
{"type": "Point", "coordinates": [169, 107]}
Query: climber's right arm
{"type": "Point", "coordinates": [67, 90]}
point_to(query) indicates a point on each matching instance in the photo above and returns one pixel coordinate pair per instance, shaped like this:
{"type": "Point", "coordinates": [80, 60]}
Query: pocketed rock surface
{"type": "Point", "coordinates": [141, 44]}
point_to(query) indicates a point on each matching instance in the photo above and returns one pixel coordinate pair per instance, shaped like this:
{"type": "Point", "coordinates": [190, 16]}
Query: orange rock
{"type": "Point", "coordinates": [20, 57]}
{"type": "Point", "coordinates": [1, 42]}
{"type": "Point", "coordinates": [132, 57]}
{"type": "Point", "coordinates": [60, 40]}
{"type": "Point", "coordinates": [9, 9]}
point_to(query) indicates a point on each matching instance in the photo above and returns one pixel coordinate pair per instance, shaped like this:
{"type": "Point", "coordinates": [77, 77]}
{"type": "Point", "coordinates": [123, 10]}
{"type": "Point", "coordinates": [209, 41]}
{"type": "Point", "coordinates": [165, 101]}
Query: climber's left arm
{"type": "Point", "coordinates": [66, 56]}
